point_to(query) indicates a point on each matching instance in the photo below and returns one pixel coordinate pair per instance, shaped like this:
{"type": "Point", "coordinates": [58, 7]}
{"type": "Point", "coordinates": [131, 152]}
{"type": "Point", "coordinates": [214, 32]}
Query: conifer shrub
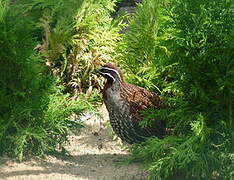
{"type": "Point", "coordinates": [183, 50]}
{"type": "Point", "coordinates": [34, 114]}
{"type": "Point", "coordinates": [139, 51]}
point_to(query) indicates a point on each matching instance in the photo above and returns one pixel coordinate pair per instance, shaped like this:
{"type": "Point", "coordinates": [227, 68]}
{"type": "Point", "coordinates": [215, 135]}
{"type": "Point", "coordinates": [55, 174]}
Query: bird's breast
{"type": "Point", "coordinates": [114, 101]}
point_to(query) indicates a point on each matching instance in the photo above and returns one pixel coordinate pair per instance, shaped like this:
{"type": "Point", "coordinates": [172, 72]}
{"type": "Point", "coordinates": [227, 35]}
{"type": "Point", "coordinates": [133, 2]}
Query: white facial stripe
{"type": "Point", "coordinates": [112, 70]}
{"type": "Point", "coordinates": [108, 75]}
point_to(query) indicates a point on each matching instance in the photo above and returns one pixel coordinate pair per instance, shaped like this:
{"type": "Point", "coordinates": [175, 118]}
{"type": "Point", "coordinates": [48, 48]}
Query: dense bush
{"type": "Point", "coordinates": [183, 50]}
{"type": "Point", "coordinates": [33, 112]}
{"type": "Point", "coordinates": [74, 46]}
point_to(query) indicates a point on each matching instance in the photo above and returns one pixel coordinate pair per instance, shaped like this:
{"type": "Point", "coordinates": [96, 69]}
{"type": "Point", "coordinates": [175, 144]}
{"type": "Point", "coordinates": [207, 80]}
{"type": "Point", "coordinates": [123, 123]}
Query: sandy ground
{"type": "Point", "coordinates": [94, 156]}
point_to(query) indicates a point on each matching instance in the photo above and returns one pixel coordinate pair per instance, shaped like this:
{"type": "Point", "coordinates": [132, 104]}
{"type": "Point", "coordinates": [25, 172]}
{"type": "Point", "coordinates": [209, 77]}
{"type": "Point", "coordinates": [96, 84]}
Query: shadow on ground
{"type": "Point", "coordinates": [90, 166]}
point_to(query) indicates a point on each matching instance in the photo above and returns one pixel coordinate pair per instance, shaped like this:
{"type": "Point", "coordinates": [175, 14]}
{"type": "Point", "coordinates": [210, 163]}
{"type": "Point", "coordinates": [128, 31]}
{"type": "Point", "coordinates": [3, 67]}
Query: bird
{"type": "Point", "coordinates": [125, 102]}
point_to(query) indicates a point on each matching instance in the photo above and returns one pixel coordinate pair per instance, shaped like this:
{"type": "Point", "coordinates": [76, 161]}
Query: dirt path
{"type": "Point", "coordinates": [94, 157]}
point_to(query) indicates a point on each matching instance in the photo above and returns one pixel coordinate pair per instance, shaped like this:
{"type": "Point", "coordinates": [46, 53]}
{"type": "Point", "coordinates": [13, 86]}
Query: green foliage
{"type": "Point", "coordinates": [73, 46]}
{"type": "Point", "coordinates": [183, 50]}
{"type": "Point", "coordinates": [139, 42]}
{"type": "Point", "coordinates": [140, 52]}
{"type": "Point", "coordinates": [94, 42]}
{"type": "Point", "coordinates": [35, 116]}
{"type": "Point", "coordinates": [186, 157]}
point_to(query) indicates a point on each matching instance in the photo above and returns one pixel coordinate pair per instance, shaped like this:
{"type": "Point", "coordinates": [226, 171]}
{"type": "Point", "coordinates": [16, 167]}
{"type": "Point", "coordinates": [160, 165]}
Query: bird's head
{"type": "Point", "coordinates": [111, 73]}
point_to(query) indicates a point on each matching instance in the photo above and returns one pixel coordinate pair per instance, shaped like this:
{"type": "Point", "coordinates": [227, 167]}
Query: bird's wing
{"type": "Point", "coordinates": [142, 99]}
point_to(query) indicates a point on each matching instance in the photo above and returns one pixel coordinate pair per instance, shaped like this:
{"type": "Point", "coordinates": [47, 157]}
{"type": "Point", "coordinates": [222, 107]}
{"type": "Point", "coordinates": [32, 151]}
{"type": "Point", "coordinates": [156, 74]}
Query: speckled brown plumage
{"type": "Point", "coordinates": [124, 103]}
